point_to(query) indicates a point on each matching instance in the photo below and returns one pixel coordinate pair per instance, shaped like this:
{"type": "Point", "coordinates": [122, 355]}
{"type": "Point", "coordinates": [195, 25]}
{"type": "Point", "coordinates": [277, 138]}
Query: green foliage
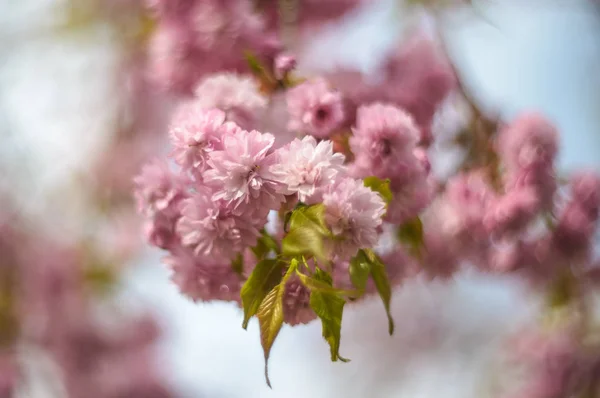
{"type": "Point", "coordinates": [379, 275]}
{"type": "Point", "coordinates": [304, 241]}
{"type": "Point", "coordinates": [263, 73]}
{"type": "Point", "coordinates": [562, 290]}
{"type": "Point", "coordinates": [270, 316]}
{"type": "Point", "coordinates": [360, 269]}
{"type": "Point", "coordinates": [99, 277]}
{"type": "Point", "coordinates": [307, 231]}
{"type": "Point", "coordinates": [329, 307]}
{"type": "Point", "coordinates": [267, 274]}
{"type": "Point", "coordinates": [237, 265]}
{"type": "Point", "coordinates": [410, 234]}
{"type": "Point", "coordinates": [255, 64]}
{"type": "Point", "coordinates": [315, 284]}
{"type": "Point", "coordinates": [312, 216]}
{"type": "Point", "coordinates": [382, 187]}
{"type": "Point", "coordinates": [270, 319]}
{"type": "Point", "coordinates": [367, 262]}
{"type": "Point", "coordinates": [265, 245]}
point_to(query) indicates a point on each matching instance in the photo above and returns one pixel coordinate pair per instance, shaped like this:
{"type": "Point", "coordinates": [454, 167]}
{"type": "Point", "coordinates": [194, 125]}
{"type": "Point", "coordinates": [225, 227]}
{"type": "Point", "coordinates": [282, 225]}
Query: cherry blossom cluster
{"type": "Point", "coordinates": [216, 207]}
{"type": "Point", "coordinates": [197, 37]}
{"type": "Point", "coordinates": [51, 295]}
{"type": "Point", "coordinates": [283, 191]}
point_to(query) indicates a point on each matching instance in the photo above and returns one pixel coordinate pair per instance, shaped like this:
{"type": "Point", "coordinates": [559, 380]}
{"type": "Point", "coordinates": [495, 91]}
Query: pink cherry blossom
{"type": "Point", "coordinates": [462, 209]}
{"type": "Point", "coordinates": [159, 194]}
{"type": "Point", "coordinates": [307, 168]}
{"type": "Point", "coordinates": [173, 61]}
{"type": "Point", "coordinates": [157, 188]}
{"type": "Point", "coordinates": [513, 211]}
{"type": "Point", "coordinates": [585, 189]}
{"type": "Point", "coordinates": [418, 78]}
{"type": "Point", "coordinates": [240, 173]}
{"type": "Point", "coordinates": [194, 133]}
{"type": "Point", "coordinates": [296, 303]}
{"type": "Point", "coordinates": [211, 229]}
{"type": "Point", "coordinates": [314, 108]}
{"type": "Point", "coordinates": [353, 213]}
{"type": "Point", "coordinates": [237, 95]}
{"type": "Point", "coordinates": [409, 199]}
{"type": "Point", "coordinates": [384, 139]}
{"type": "Point", "coordinates": [284, 64]}
{"type": "Point", "coordinates": [529, 142]}
{"type": "Point", "coordinates": [202, 278]}
{"type": "Point", "coordinates": [552, 363]}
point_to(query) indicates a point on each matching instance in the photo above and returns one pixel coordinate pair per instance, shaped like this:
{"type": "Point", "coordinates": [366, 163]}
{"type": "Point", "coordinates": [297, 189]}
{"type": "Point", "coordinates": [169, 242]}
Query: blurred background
{"type": "Point", "coordinates": [61, 96]}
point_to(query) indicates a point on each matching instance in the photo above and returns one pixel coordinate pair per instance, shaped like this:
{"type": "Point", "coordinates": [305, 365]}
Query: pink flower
{"type": "Point", "coordinates": [159, 195]}
{"type": "Point", "coordinates": [204, 279]}
{"type": "Point", "coordinates": [441, 256]}
{"type": "Point", "coordinates": [159, 230]}
{"type": "Point", "coordinates": [200, 37]}
{"type": "Point", "coordinates": [240, 173]}
{"type": "Point", "coordinates": [224, 29]}
{"type": "Point", "coordinates": [157, 188]}
{"type": "Point", "coordinates": [513, 211]}
{"type": "Point", "coordinates": [211, 229]}
{"type": "Point", "coordinates": [409, 199]}
{"type": "Point", "coordinates": [585, 188]}
{"type": "Point", "coordinates": [353, 213]}
{"type": "Point", "coordinates": [173, 60]}
{"type": "Point", "coordinates": [462, 210]}
{"type": "Point", "coordinates": [195, 132]}
{"type": "Point", "coordinates": [578, 219]}
{"type": "Point", "coordinates": [314, 12]}
{"type": "Point", "coordinates": [529, 142]}
{"type": "Point", "coordinates": [553, 363]}
{"type": "Point", "coordinates": [284, 64]}
{"type": "Point", "coordinates": [296, 303]}
{"type": "Point", "coordinates": [9, 374]}
{"type": "Point", "coordinates": [221, 25]}
{"type": "Point", "coordinates": [421, 154]}
{"type": "Point", "coordinates": [237, 95]}
{"type": "Point", "coordinates": [505, 257]}
{"type": "Point", "coordinates": [383, 142]}
{"type": "Point", "coordinates": [314, 108]}
{"type": "Point", "coordinates": [541, 180]}
{"type": "Point", "coordinates": [168, 8]}
{"type": "Point", "coordinates": [418, 78]}
{"type": "Point", "coordinates": [307, 168]}
{"type": "Point", "coordinates": [574, 231]}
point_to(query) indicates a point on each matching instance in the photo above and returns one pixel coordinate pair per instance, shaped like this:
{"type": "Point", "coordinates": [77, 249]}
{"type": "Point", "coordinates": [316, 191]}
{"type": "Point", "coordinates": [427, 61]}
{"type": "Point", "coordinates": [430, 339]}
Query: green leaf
{"type": "Point", "coordinates": [265, 244]}
{"type": "Point", "coordinates": [562, 290]}
{"type": "Point", "coordinates": [379, 275]}
{"type": "Point", "coordinates": [237, 265]}
{"type": "Point", "coordinates": [258, 68]}
{"type": "Point", "coordinates": [307, 230]}
{"type": "Point", "coordinates": [360, 270]}
{"type": "Point", "coordinates": [99, 277]}
{"type": "Point", "coordinates": [314, 284]}
{"type": "Point", "coordinates": [270, 316]}
{"type": "Point", "coordinates": [411, 235]}
{"type": "Point", "coordinates": [382, 187]}
{"type": "Point", "coordinates": [254, 63]}
{"type": "Point", "coordinates": [329, 308]}
{"type": "Point", "coordinates": [309, 217]}
{"type": "Point", "coordinates": [270, 242]}
{"type": "Point", "coordinates": [270, 319]}
{"type": "Point", "coordinates": [265, 276]}
{"type": "Point", "coordinates": [286, 221]}
{"type": "Point", "coordinates": [304, 241]}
